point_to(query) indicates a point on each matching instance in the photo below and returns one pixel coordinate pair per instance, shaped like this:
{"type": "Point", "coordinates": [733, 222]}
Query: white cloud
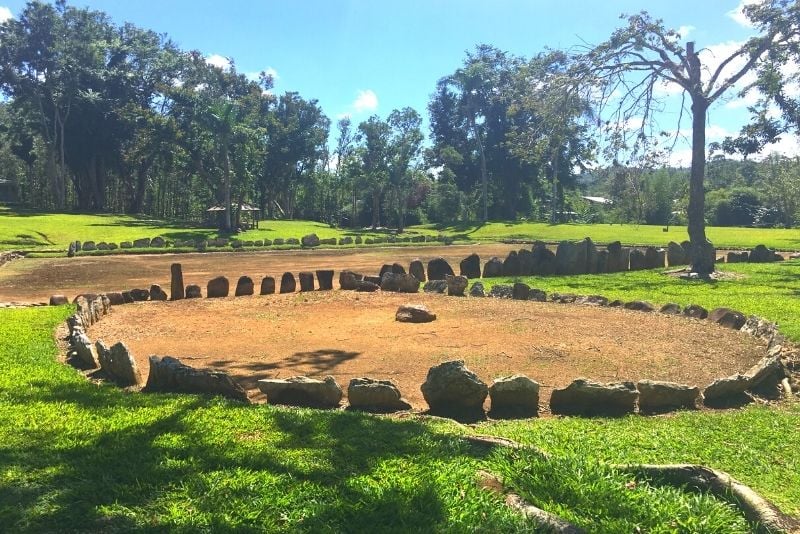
{"type": "Point", "coordinates": [737, 13]}
{"type": "Point", "coordinates": [684, 31]}
{"type": "Point", "coordinates": [5, 14]}
{"type": "Point", "coordinates": [269, 71]}
{"type": "Point", "coordinates": [221, 62]}
{"type": "Point", "coordinates": [365, 101]}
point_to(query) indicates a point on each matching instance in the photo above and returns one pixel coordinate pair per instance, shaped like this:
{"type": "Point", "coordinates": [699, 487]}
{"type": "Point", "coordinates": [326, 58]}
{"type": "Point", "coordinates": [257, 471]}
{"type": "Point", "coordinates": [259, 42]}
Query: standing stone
{"type": "Point", "coordinates": [126, 244]}
{"type": "Point", "coordinates": [141, 243]}
{"type": "Point", "coordinates": [493, 268]}
{"type": "Point", "coordinates": [652, 258]}
{"type": "Point", "coordinates": [267, 286]}
{"type": "Point", "coordinates": [58, 300]}
{"type": "Point", "coordinates": [347, 280]}
{"type": "Point", "coordinates": [217, 287]}
{"type": "Point", "coordinates": [398, 269]}
{"type": "Point", "coordinates": [306, 281]}
{"type": "Point", "coordinates": [759, 254]}
{"type": "Point", "coordinates": [385, 268]}
{"type": "Point", "coordinates": [515, 395]}
{"type": "Point", "coordinates": [675, 254]}
{"type": "Point", "coordinates": [156, 293]}
{"type": "Point", "coordinates": [140, 295]}
{"type": "Point", "coordinates": [168, 374]}
{"type": "Point", "coordinates": [477, 290]}
{"type": "Point", "coordinates": [728, 318]}
{"type": "Point", "coordinates": [288, 284]}
{"type": "Point", "coordinates": [601, 265]}
{"type": "Point", "coordinates": [193, 292]}
{"type": "Point", "coordinates": [695, 311]}
{"type": "Point", "coordinates": [471, 266]}
{"type": "Point", "coordinates": [544, 260]}
{"type": "Point", "coordinates": [438, 268]}
{"type": "Point", "coordinates": [158, 242]}
{"type": "Point", "coordinates": [570, 258]}
{"type": "Point", "coordinates": [372, 395]}
{"type": "Point", "coordinates": [618, 257]}
{"type": "Point", "coordinates": [590, 252]}
{"type": "Point", "coordinates": [84, 350]}
{"type": "Point", "coordinates": [176, 282]}
{"type": "Point", "coordinates": [390, 281]}
{"type": "Point", "coordinates": [417, 270]}
{"type": "Point", "coordinates": [244, 286]}
{"type": "Point", "coordinates": [452, 389]}
{"type": "Point", "coordinates": [118, 364]}
{"type": "Point", "coordinates": [537, 295]}
{"type": "Point", "coordinates": [71, 250]}
{"type": "Point", "coordinates": [520, 291]}
{"type": "Point", "coordinates": [456, 285]}
{"type": "Point", "coordinates": [586, 397]}
{"type": "Point", "coordinates": [89, 246]}
{"type": "Point", "coordinates": [637, 260]}
{"type": "Point", "coordinates": [525, 257]}
{"type": "Point", "coordinates": [511, 265]}
{"type": "Point", "coordinates": [325, 279]}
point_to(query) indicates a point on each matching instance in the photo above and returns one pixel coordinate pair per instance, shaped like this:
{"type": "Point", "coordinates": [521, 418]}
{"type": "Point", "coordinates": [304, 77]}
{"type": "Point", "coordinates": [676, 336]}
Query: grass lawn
{"type": "Point", "coordinates": [53, 232]}
{"type": "Point", "coordinates": [75, 456]}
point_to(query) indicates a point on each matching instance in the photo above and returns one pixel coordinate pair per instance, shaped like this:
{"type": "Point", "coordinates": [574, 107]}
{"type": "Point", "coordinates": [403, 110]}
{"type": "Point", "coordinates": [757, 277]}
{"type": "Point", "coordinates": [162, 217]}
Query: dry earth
{"type": "Point", "coordinates": [348, 334]}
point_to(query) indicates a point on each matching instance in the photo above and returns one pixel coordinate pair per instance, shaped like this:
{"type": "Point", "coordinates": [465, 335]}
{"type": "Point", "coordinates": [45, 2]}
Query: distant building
{"type": "Point", "coordinates": [598, 200]}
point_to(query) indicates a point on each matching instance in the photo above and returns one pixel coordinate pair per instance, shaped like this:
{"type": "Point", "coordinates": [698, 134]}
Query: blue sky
{"type": "Point", "coordinates": [359, 57]}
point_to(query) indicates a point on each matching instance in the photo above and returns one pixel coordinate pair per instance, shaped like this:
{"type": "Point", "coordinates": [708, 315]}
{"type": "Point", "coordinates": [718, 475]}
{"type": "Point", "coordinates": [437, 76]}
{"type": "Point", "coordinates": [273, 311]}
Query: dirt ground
{"type": "Point", "coordinates": [33, 280]}
{"type": "Point", "coordinates": [348, 334]}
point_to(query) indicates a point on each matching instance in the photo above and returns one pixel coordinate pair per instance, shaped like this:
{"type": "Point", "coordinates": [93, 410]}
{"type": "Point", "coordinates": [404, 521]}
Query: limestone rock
{"type": "Point", "coordinates": [477, 290]}
{"type": "Point", "coordinates": [217, 287]}
{"type": "Point", "coordinates": [727, 317]}
{"type": "Point", "coordinates": [156, 293]}
{"type": "Point", "coordinates": [452, 389]}
{"type": "Point", "coordinates": [168, 374]}
{"type": "Point", "coordinates": [177, 291]}
{"type": "Point", "coordinates": [471, 266]}
{"type": "Point", "coordinates": [371, 395]}
{"type": "Point", "coordinates": [514, 395]}
{"type": "Point", "coordinates": [306, 281]}
{"type": "Point", "coordinates": [586, 397]}
{"type": "Point", "coordinates": [435, 286]}
{"type": "Point", "coordinates": [438, 268]}
{"type": "Point", "coordinates": [244, 286]}
{"type": "Point", "coordinates": [288, 284]}
{"type": "Point", "coordinates": [456, 285]}
{"type": "Point", "coordinates": [302, 391]}
{"type": "Point", "coordinates": [655, 396]}
{"type": "Point", "coordinates": [493, 268]}
{"type": "Point", "coordinates": [325, 279]}
{"type": "Point", "coordinates": [267, 286]}
{"type": "Point", "coordinates": [193, 292]}
{"type": "Point", "coordinates": [414, 313]}
{"type": "Point", "coordinates": [118, 364]}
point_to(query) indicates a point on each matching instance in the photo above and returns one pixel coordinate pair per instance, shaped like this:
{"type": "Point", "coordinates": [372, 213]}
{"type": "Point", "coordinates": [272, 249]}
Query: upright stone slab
{"type": "Point", "coordinates": [601, 265]}
{"type": "Point", "coordinates": [525, 257]}
{"type": "Point", "coordinates": [728, 318]}
{"type": "Point", "coordinates": [176, 287]}
{"type": "Point", "coordinates": [325, 279]}
{"type": "Point", "coordinates": [590, 253]}
{"type": "Point", "coordinates": [761, 254]}
{"type": "Point", "coordinates": [417, 270]}
{"type": "Point", "coordinates": [571, 258]}
{"type": "Point", "coordinates": [438, 268]}
{"type": "Point", "coordinates": [306, 281]}
{"type": "Point", "coordinates": [456, 285]}
{"type": "Point", "coordinates": [288, 284]}
{"type": "Point", "coordinates": [267, 286]}
{"type": "Point", "coordinates": [657, 396]}
{"type": "Point", "coordinates": [141, 243]}
{"type": "Point", "coordinates": [511, 265]}
{"type": "Point", "coordinates": [193, 292]}
{"type": "Point", "coordinates": [158, 242]}
{"type": "Point", "coordinates": [217, 287]}
{"type": "Point", "coordinates": [398, 269]}
{"type": "Point", "coordinates": [544, 260]}
{"type": "Point", "coordinates": [637, 260]}
{"type": "Point", "coordinates": [652, 258]}
{"type": "Point", "coordinates": [118, 364]}
{"type": "Point", "coordinates": [493, 268]}
{"type": "Point", "coordinates": [471, 266]}
{"type": "Point", "coordinates": [156, 293]}
{"type": "Point", "coordinates": [675, 254]}
{"type": "Point", "coordinates": [385, 268]}
{"type": "Point", "coordinates": [244, 286]}
{"type": "Point", "coordinates": [618, 257]}
{"type": "Point", "coordinates": [514, 396]}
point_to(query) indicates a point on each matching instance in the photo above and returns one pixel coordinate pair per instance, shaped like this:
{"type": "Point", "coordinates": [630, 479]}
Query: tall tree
{"type": "Point", "coordinates": [404, 149]}
{"type": "Point", "coordinates": [626, 70]}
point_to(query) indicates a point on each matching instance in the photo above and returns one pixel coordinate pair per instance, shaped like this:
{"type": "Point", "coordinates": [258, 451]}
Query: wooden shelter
{"type": "Point", "coordinates": [249, 210]}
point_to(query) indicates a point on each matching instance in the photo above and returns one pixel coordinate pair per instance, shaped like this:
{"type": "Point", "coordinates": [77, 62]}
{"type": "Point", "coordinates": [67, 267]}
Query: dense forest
{"type": "Point", "coordinates": [98, 116]}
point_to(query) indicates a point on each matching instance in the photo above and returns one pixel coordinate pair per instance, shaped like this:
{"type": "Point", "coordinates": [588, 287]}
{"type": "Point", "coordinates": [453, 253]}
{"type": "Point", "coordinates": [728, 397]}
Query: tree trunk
{"type": "Point", "coordinates": [702, 251]}
{"type": "Point", "coordinates": [484, 173]}
{"type": "Point", "coordinates": [554, 203]}
{"type": "Point", "coordinates": [376, 209]}
{"type": "Point", "coordinates": [226, 191]}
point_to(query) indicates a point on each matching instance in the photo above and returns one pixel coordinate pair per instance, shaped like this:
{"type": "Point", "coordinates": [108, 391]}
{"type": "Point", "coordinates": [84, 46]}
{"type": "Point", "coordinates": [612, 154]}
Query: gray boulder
{"type": "Point", "coordinates": [435, 286]}
{"type": "Point", "coordinates": [118, 364]}
{"type": "Point", "coordinates": [695, 311]}
{"type": "Point", "coordinates": [729, 389]}
{"type": "Point", "coordinates": [537, 295]}
{"type": "Point", "coordinates": [456, 285]}
{"type": "Point", "coordinates": [414, 313]}
{"type": "Point", "coordinates": [520, 291]}
{"type": "Point", "coordinates": [310, 240]}
{"type": "Point", "coordinates": [452, 389]}
{"type": "Point", "coordinates": [502, 291]}
{"type": "Point", "coordinates": [58, 300]}
{"type": "Point", "coordinates": [438, 268]}
{"type": "Point", "coordinates": [302, 391]}
{"type": "Point", "coordinates": [84, 350]}
{"type": "Point", "coordinates": [244, 286]}
{"type": "Point", "coordinates": [141, 243]}
{"type": "Point", "coordinates": [515, 395]}
{"type": "Point", "coordinates": [156, 293]}
{"type": "Point", "coordinates": [759, 254]}
{"type": "Point", "coordinates": [217, 287]}
{"type": "Point", "coordinates": [639, 305]}
{"type": "Point", "coordinates": [370, 395]}
{"type": "Point", "coordinates": [347, 280]}
{"type": "Point", "coordinates": [471, 266]}
{"type": "Point", "coordinates": [89, 246]}
{"type": "Point", "coordinates": [169, 375]}
{"type": "Point", "coordinates": [493, 268]}
{"type": "Point", "coordinates": [365, 286]}
{"type": "Point", "coordinates": [193, 292]}
{"type": "Point", "coordinates": [292, 241]}
{"type": "Point", "coordinates": [586, 397]}
{"type": "Point", "coordinates": [737, 257]}
{"type": "Point", "coordinates": [477, 290]}
{"type": "Point", "coordinates": [140, 295]}
{"type": "Point", "coordinates": [727, 317]}
{"type": "Point", "coordinates": [390, 281]}
{"type": "Point", "coordinates": [655, 396]}
{"type": "Point", "coordinates": [158, 242]}
{"type": "Point", "coordinates": [670, 309]}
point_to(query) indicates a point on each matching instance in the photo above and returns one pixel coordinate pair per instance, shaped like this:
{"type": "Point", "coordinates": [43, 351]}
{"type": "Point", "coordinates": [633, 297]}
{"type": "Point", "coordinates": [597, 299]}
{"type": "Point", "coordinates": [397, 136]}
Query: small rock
{"type": "Point", "coordinates": [435, 286]}
{"type": "Point", "coordinates": [727, 317]}
{"type": "Point", "coordinates": [115, 298]}
{"type": "Point", "coordinates": [514, 395]}
{"type": "Point", "coordinates": [670, 309]}
{"type": "Point", "coordinates": [85, 351]}
{"type": "Point", "coordinates": [193, 292]}
{"type": "Point", "coordinates": [502, 291]}
{"type": "Point", "coordinates": [456, 285]}
{"type": "Point", "coordinates": [372, 395]}
{"type": "Point", "coordinates": [477, 290]}
{"type": "Point", "coordinates": [639, 305]}
{"type": "Point", "coordinates": [414, 313]}
{"type": "Point", "coordinates": [58, 300]}
{"type": "Point", "coordinates": [695, 311]}
{"type": "Point", "coordinates": [365, 286]}
{"type": "Point", "coordinates": [302, 391]}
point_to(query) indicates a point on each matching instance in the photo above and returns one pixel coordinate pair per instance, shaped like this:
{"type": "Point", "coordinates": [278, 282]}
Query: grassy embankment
{"type": "Point", "coordinates": [53, 232]}
{"type": "Point", "coordinates": [76, 456]}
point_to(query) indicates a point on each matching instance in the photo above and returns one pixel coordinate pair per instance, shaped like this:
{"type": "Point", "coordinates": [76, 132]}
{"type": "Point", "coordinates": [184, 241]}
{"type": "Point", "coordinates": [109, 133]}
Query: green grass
{"type": "Point", "coordinates": [75, 456]}
{"type": "Point", "coordinates": [770, 290]}
{"type": "Point", "coordinates": [722, 237]}
{"type": "Point", "coordinates": [27, 230]}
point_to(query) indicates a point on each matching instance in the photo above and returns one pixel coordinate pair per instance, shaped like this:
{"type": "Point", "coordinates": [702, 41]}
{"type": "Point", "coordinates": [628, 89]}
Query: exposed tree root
{"type": "Point", "coordinates": [545, 520]}
{"type": "Point", "coordinates": [764, 515]}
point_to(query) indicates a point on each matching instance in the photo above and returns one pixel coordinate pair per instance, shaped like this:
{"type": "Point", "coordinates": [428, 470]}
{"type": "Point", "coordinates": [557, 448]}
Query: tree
{"type": "Point", "coordinates": [628, 68]}
{"type": "Point", "coordinates": [404, 149]}
{"type": "Point", "coordinates": [374, 136]}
